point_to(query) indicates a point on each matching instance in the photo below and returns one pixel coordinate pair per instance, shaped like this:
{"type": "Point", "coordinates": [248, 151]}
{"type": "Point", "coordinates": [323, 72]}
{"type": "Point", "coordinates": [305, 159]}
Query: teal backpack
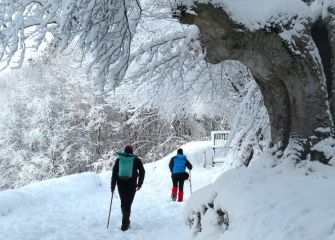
{"type": "Point", "coordinates": [126, 163]}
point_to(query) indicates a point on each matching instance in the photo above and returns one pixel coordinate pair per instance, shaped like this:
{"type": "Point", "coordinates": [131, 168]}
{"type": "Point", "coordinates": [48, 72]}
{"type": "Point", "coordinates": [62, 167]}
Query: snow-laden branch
{"type": "Point", "coordinates": [102, 29]}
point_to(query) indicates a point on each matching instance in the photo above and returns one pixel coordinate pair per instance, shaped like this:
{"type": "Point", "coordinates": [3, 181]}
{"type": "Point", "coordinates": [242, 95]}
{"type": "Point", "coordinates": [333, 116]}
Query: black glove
{"type": "Point", "coordinates": [113, 189]}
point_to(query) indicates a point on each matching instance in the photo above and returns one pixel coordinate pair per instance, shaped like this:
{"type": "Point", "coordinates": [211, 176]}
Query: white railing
{"type": "Point", "coordinates": [219, 139]}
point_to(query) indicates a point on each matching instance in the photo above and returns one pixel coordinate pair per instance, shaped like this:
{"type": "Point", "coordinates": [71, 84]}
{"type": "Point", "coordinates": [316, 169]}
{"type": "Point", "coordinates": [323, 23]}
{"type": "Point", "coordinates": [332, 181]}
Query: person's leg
{"type": "Point", "coordinates": [130, 198]}
{"type": "Point", "coordinates": [127, 207]}
{"type": "Point", "coordinates": [181, 185]}
{"type": "Point", "coordinates": [123, 197]}
{"type": "Point", "coordinates": [174, 188]}
{"type": "Point", "coordinates": [181, 188]}
{"type": "Point", "coordinates": [127, 194]}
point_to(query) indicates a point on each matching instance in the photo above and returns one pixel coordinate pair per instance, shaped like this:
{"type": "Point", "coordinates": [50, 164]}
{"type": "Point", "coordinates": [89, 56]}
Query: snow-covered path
{"type": "Point", "coordinates": [269, 200]}
{"type": "Point", "coordinates": [76, 207]}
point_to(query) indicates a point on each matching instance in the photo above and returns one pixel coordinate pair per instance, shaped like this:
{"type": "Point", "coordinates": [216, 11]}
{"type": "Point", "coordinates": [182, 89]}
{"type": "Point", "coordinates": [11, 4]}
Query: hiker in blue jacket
{"type": "Point", "coordinates": [177, 167]}
{"type": "Point", "coordinates": [128, 174]}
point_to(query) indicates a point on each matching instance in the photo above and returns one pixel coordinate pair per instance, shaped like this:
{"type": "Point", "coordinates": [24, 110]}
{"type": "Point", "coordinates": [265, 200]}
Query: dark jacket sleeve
{"type": "Point", "coordinates": [114, 174]}
{"type": "Point", "coordinates": [141, 172]}
{"type": "Point", "coordinates": [188, 165]}
{"type": "Point", "coordinates": [171, 164]}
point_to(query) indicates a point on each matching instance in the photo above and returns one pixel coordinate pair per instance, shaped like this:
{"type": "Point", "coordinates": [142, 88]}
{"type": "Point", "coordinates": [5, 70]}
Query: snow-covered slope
{"type": "Point", "coordinates": [76, 207]}
{"type": "Point", "coordinates": [269, 200]}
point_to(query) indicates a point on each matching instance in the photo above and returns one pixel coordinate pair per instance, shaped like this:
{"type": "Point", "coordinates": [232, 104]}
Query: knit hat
{"type": "Point", "coordinates": [128, 149]}
{"type": "Point", "coordinates": [180, 151]}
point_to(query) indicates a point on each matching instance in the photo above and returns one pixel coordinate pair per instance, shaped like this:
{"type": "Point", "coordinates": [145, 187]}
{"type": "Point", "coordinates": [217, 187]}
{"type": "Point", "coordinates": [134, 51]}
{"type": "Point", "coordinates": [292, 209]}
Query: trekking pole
{"type": "Point", "coordinates": [190, 183]}
{"type": "Point", "coordinates": [110, 208]}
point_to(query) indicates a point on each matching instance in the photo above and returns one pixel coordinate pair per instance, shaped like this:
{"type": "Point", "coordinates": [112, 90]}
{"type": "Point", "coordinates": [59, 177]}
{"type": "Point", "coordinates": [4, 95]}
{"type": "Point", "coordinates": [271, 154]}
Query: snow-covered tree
{"type": "Point", "coordinates": [102, 29]}
{"type": "Point", "coordinates": [288, 47]}
{"type": "Point", "coordinates": [167, 77]}
{"type": "Point", "coordinates": [54, 124]}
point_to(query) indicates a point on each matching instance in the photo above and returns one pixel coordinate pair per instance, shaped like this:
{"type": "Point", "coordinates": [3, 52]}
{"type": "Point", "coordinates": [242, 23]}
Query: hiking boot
{"type": "Point", "coordinates": [124, 227]}
{"type": "Point", "coordinates": [125, 221]}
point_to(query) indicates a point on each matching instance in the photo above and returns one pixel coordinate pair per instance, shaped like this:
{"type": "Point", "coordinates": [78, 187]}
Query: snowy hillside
{"type": "Point", "coordinates": [76, 207]}
{"type": "Point", "coordinates": [268, 200]}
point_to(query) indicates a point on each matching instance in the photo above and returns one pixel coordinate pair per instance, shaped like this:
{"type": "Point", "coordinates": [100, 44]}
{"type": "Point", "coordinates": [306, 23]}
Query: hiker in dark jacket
{"type": "Point", "coordinates": [128, 174]}
{"type": "Point", "coordinates": [177, 167]}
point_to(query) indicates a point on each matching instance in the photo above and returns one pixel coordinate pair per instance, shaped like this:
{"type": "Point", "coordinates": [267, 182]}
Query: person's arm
{"type": "Point", "coordinates": [171, 164]}
{"type": "Point", "coordinates": [141, 173]}
{"type": "Point", "coordinates": [114, 174]}
{"type": "Point", "coordinates": [189, 165]}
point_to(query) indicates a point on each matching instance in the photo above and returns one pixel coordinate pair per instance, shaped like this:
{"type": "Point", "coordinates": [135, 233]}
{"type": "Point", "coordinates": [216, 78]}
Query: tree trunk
{"type": "Point", "coordinates": [329, 23]}
{"type": "Point", "coordinates": [291, 78]}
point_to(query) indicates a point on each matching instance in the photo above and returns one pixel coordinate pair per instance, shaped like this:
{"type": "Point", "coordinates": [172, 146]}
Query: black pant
{"type": "Point", "coordinates": [127, 194]}
{"type": "Point", "coordinates": [178, 180]}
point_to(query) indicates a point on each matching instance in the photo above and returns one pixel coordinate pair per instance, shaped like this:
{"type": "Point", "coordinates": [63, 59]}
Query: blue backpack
{"type": "Point", "coordinates": [179, 163]}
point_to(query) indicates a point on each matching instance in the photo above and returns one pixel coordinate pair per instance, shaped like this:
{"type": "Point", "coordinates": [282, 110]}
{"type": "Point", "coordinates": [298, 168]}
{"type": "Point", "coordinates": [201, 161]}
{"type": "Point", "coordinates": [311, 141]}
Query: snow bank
{"type": "Point", "coordinates": [268, 201]}
{"type": "Point", "coordinates": [195, 152]}
{"type": "Point", "coordinates": [320, 8]}
{"type": "Point", "coordinates": [53, 190]}
{"type": "Point", "coordinates": [259, 14]}
{"type": "Point", "coordinates": [289, 18]}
